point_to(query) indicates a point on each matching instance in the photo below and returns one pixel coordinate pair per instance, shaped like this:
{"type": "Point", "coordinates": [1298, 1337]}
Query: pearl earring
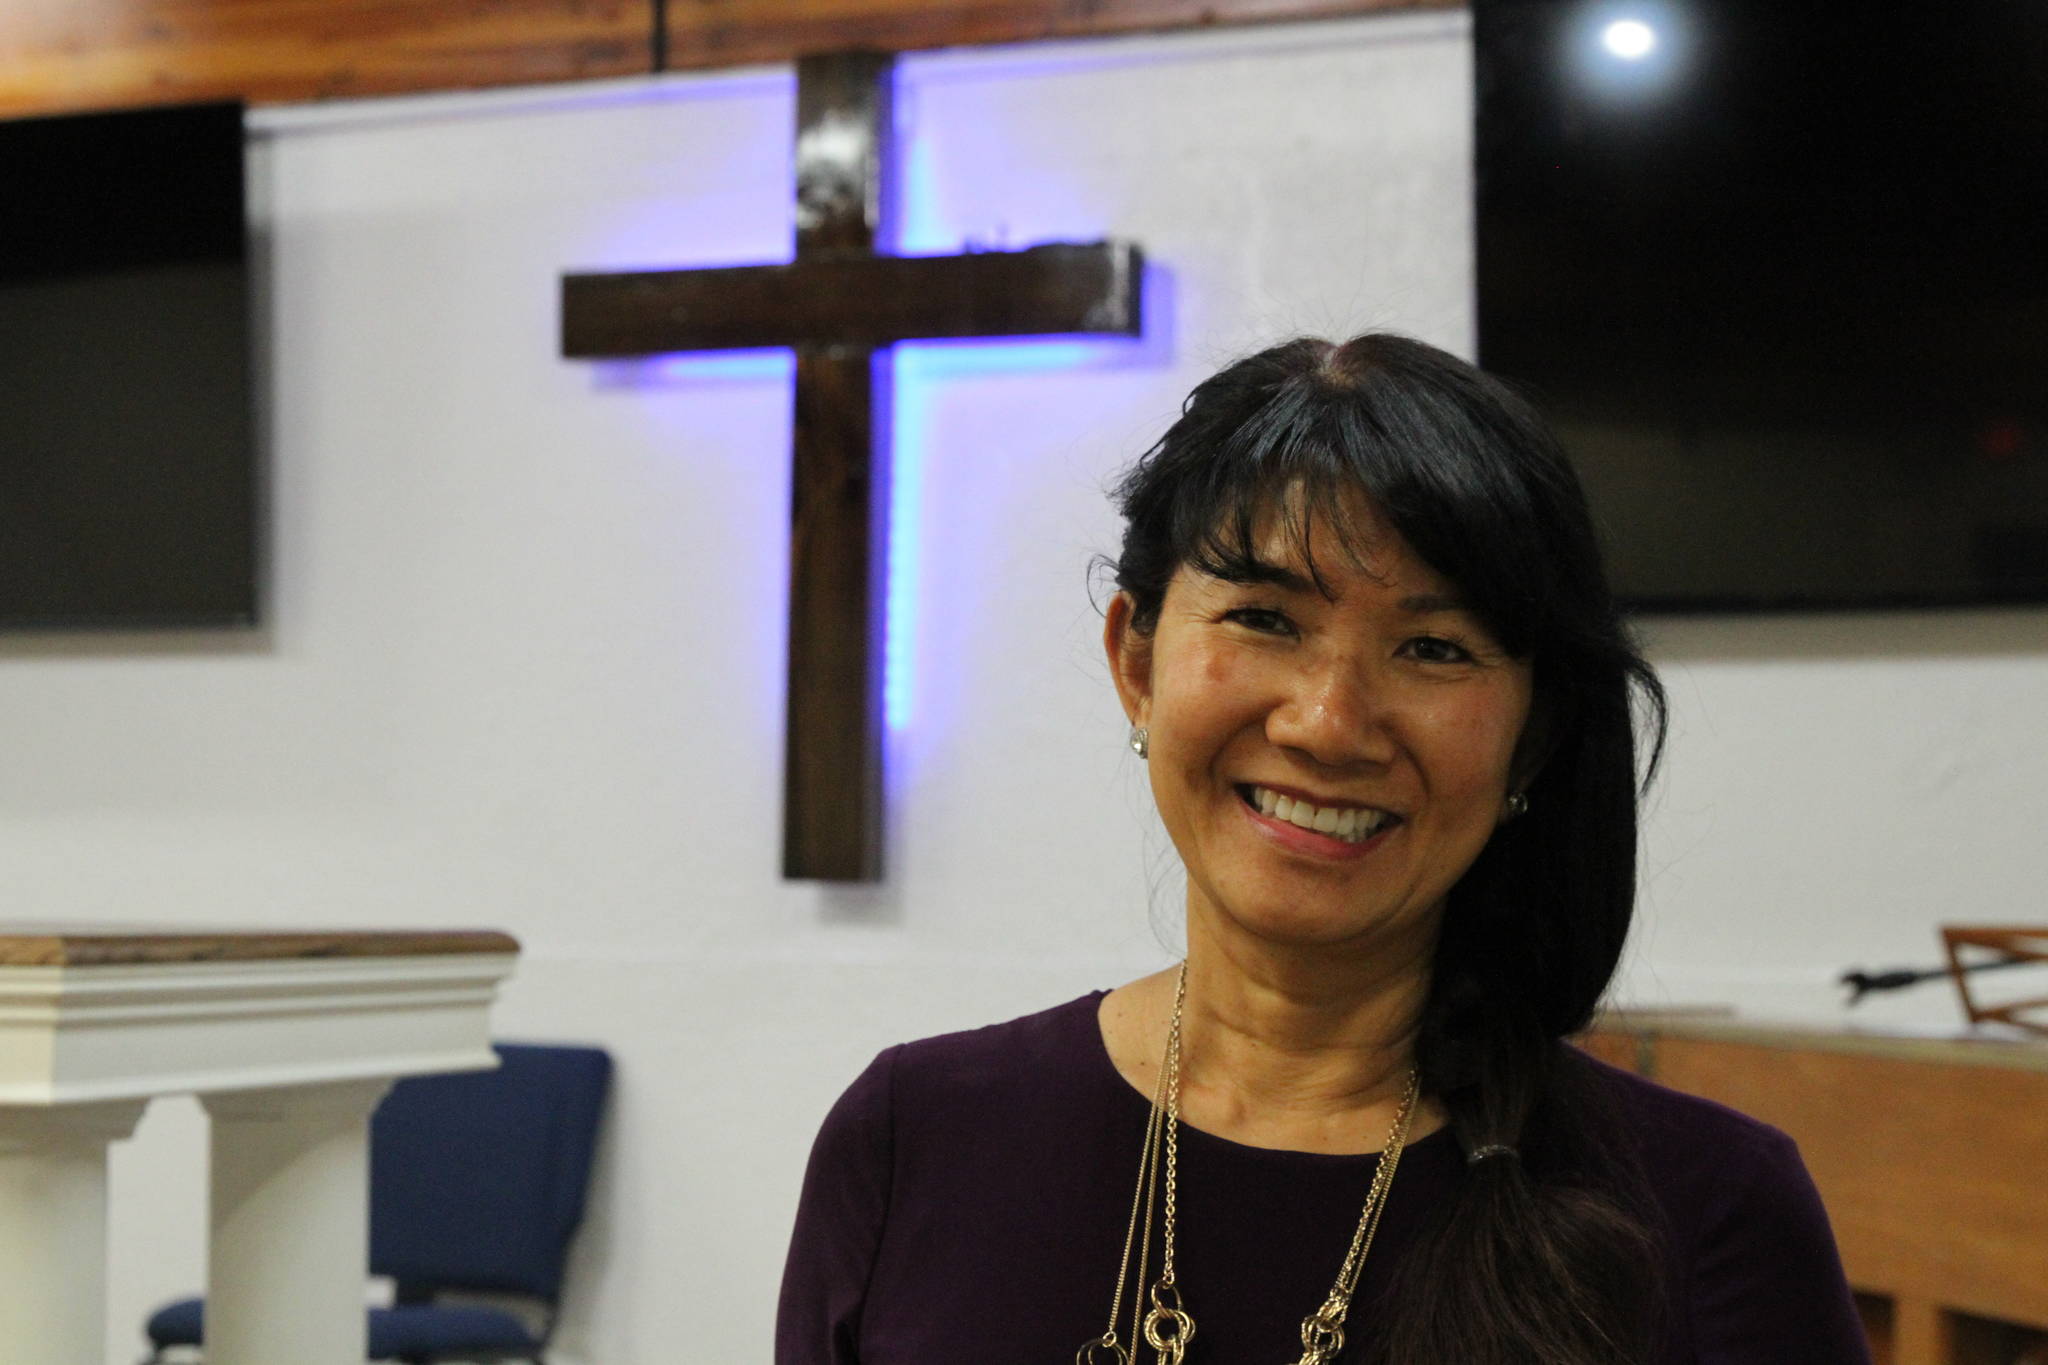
{"type": "Point", "coordinates": [1141, 741]}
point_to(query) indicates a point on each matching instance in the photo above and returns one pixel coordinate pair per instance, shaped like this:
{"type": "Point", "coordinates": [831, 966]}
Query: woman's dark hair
{"type": "Point", "coordinates": [1551, 1256]}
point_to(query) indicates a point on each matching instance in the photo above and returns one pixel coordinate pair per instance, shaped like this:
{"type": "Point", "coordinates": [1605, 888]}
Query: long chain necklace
{"type": "Point", "coordinates": [1166, 1326]}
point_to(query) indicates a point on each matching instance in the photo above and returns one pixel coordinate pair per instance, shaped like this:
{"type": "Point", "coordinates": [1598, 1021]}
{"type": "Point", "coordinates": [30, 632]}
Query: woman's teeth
{"type": "Point", "coordinates": [1353, 824]}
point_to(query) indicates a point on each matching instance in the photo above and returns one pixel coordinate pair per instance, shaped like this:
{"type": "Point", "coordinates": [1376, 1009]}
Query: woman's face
{"type": "Point", "coordinates": [1382, 716]}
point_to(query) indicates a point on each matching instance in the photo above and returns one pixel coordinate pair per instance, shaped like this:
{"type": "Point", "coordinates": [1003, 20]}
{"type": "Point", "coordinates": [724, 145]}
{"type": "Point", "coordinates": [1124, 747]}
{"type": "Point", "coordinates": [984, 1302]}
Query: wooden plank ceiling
{"type": "Point", "coordinates": [89, 54]}
{"type": "Point", "coordinates": [725, 32]}
{"type": "Point", "coordinates": [68, 55]}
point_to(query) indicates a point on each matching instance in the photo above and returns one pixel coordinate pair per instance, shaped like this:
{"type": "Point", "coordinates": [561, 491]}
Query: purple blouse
{"type": "Point", "coordinates": [968, 1194]}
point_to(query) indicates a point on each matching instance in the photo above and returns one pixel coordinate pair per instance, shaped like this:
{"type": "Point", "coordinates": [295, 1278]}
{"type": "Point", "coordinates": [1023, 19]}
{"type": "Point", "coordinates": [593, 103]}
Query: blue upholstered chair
{"type": "Point", "coordinates": [477, 1184]}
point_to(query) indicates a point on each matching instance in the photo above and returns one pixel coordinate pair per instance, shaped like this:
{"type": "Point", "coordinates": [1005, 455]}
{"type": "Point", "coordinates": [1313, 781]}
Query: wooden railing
{"type": "Point", "coordinates": [1930, 1153]}
{"type": "Point", "coordinates": [289, 1040]}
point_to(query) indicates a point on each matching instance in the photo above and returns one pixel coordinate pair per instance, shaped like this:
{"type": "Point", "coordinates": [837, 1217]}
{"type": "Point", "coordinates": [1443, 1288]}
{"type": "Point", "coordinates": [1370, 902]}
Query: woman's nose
{"type": "Point", "coordinates": [1338, 714]}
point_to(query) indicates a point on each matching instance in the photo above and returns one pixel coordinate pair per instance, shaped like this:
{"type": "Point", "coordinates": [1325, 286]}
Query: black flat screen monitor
{"type": "Point", "coordinates": [127, 460]}
{"type": "Point", "coordinates": [1778, 272]}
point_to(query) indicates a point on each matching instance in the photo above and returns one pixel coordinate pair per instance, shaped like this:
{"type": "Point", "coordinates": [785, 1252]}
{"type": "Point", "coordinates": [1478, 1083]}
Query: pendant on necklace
{"type": "Point", "coordinates": [1106, 1342]}
{"type": "Point", "coordinates": [1168, 1328]}
{"type": "Point", "coordinates": [1322, 1333]}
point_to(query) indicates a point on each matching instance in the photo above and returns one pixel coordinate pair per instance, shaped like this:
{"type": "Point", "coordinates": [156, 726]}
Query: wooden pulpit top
{"type": "Point", "coordinates": [106, 945]}
{"type": "Point", "coordinates": [1962, 1045]}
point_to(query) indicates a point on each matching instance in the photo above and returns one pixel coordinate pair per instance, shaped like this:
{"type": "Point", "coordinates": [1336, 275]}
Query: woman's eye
{"type": "Point", "coordinates": [1434, 649]}
{"type": "Point", "coordinates": [1265, 620]}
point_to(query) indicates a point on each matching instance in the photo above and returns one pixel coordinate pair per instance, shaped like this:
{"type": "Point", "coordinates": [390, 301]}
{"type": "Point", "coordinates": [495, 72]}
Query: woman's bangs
{"type": "Point", "coordinates": [1278, 485]}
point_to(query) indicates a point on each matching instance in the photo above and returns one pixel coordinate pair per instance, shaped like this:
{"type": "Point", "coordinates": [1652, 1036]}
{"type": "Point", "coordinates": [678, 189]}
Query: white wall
{"type": "Point", "coordinates": [524, 653]}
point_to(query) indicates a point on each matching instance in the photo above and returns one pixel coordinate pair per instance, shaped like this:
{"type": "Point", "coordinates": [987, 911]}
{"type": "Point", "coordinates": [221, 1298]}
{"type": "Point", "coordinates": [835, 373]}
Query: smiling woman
{"type": "Point", "coordinates": [1391, 720]}
{"type": "Point", "coordinates": [1335, 672]}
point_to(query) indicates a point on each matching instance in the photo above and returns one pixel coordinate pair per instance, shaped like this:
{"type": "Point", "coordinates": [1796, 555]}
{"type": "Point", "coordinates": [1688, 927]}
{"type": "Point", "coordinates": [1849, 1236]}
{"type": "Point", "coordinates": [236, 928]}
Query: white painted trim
{"type": "Point", "coordinates": [71, 1035]}
{"type": "Point", "coordinates": [143, 991]}
{"type": "Point", "coordinates": [282, 1075]}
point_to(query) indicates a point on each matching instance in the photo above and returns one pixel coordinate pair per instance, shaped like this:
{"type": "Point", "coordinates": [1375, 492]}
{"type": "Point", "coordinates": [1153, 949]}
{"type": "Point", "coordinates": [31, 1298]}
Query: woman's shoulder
{"type": "Point", "coordinates": [1030, 1050]}
{"type": "Point", "coordinates": [932, 1100]}
{"type": "Point", "coordinates": [1760, 1277]}
{"type": "Point", "coordinates": [956, 1079]}
{"type": "Point", "coordinates": [1674, 1116]}
{"type": "Point", "coordinates": [1708, 1165]}
{"type": "Point", "coordinates": [1686, 1139]}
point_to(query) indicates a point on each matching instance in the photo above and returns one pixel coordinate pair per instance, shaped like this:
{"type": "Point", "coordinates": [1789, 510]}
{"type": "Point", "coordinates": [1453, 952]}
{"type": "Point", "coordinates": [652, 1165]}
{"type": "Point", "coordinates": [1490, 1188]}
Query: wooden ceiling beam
{"type": "Point", "coordinates": [711, 33]}
{"type": "Point", "coordinates": [68, 55]}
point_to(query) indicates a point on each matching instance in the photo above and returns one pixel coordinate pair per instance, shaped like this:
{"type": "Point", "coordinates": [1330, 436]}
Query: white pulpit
{"type": "Point", "coordinates": [289, 1040]}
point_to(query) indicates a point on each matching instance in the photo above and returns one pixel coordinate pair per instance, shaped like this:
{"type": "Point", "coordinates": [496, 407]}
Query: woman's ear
{"type": "Point", "coordinates": [1130, 657]}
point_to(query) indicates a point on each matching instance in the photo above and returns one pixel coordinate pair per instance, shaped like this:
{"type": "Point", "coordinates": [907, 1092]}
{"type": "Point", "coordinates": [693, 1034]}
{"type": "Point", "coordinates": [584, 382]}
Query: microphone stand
{"type": "Point", "coordinates": [2015, 946]}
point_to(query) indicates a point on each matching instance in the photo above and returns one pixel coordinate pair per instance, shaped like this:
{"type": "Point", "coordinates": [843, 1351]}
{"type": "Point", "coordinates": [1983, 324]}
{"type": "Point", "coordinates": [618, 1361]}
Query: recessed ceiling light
{"type": "Point", "coordinates": [1629, 39]}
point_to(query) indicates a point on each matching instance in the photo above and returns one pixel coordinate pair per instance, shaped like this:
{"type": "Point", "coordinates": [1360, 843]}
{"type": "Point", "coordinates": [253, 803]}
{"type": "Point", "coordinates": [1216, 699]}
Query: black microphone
{"type": "Point", "coordinates": [1862, 983]}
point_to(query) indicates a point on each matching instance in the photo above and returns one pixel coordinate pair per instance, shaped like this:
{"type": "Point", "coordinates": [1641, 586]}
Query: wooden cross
{"type": "Point", "coordinates": [838, 304]}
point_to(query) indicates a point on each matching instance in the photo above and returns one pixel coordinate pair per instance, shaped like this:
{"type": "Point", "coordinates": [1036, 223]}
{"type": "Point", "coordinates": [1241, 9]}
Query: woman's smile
{"type": "Point", "coordinates": [1315, 828]}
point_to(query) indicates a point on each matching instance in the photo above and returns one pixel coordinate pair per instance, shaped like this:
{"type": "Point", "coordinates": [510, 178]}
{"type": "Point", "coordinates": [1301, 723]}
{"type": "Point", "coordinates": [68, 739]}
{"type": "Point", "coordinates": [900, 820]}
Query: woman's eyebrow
{"type": "Point", "coordinates": [1265, 571]}
{"type": "Point", "coordinates": [1427, 603]}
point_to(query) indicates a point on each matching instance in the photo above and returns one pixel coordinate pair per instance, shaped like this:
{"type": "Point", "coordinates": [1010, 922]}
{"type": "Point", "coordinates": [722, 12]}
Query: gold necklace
{"type": "Point", "coordinates": [1167, 1327]}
